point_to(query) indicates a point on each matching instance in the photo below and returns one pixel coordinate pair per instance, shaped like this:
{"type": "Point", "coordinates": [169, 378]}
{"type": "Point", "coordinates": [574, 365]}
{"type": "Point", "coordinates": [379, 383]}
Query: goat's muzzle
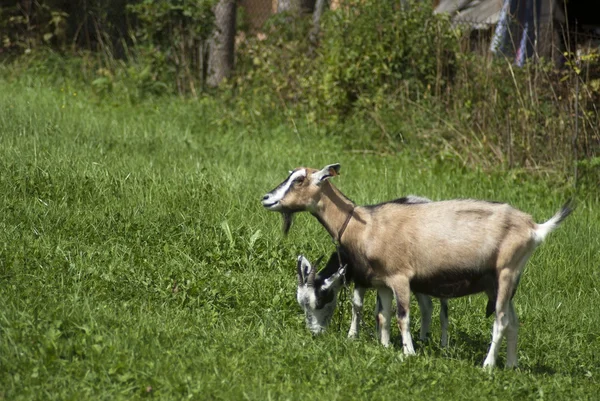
{"type": "Point", "coordinates": [270, 204]}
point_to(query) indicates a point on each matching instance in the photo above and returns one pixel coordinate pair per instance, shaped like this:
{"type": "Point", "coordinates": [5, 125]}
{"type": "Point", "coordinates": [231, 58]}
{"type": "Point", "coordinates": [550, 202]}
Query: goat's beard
{"type": "Point", "coordinates": [287, 221]}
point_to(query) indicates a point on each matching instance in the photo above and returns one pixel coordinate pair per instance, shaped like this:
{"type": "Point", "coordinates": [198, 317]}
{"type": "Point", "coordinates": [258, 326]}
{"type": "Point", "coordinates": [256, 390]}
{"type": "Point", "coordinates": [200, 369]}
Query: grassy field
{"type": "Point", "coordinates": [136, 261]}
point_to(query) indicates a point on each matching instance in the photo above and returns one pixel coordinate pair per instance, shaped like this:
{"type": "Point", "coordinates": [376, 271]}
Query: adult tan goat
{"type": "Point", "coordinates": [317, 294]}
{"type": "Point", "coordinates": [443, 249]}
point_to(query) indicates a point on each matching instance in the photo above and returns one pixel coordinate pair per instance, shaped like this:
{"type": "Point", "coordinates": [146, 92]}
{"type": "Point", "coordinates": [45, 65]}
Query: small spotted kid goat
{"type": "Point", "coordinates": [442, 249]}
{"type": "Point", "coordinates": [318, 291]}
{"type": "Point", "coordinates": [317, 295]}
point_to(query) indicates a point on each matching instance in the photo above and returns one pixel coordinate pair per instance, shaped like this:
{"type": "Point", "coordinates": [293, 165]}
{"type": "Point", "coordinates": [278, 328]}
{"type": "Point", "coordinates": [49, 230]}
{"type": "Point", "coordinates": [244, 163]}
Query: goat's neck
{"type": "Point", "coordinates": [333, 209]}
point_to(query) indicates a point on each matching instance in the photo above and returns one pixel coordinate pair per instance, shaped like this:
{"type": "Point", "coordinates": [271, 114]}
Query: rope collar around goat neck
{"type": "Point", "coordinates": [338, 242]}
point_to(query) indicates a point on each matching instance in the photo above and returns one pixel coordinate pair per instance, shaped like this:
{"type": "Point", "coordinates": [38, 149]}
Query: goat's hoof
{"type": "Point", "coordinates": [488, 366]}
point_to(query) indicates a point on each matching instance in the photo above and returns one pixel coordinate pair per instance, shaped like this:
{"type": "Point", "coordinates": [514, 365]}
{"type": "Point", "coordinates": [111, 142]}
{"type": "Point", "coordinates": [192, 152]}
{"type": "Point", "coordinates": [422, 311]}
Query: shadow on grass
{"type": "Point", "coordinates": [467, 347]}
{"type": "Point", "coordinates": [463, 346]}
{"type": "Point", "coordinates": [540, 369]}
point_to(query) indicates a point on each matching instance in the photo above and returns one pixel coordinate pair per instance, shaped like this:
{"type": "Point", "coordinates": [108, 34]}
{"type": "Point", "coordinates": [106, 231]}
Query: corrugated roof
{"type": "Point", "coordinates": [451, 6]}
{"type": "Point", "coordinates": [481, 14]}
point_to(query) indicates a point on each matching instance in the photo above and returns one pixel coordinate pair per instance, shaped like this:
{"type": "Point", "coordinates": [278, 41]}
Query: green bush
{"type": "Point", "coordinates": [144, 47]}
{"type": "Point", "coordinates": [172, 39]}
{"type": "Point", "coordinates": [275, 65]}
{"type": "Point", "coordinates": [372, 49]}
{"type": "Point", "coordinates": [369, 51]}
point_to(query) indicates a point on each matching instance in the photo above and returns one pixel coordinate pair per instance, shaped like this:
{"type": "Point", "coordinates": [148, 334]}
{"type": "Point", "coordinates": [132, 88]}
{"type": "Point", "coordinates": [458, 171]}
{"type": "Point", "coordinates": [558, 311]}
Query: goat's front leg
{"type": "Point", "coordinates": [358, 296]}
{"type": "Point", "coordinates": [401, 287]}
{"type": "Point", "coordinates": [383, 315]}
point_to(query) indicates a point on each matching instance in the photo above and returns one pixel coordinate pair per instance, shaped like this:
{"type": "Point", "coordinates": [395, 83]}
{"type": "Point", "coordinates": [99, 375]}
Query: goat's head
{"type": "Point", "coordinates": [317, 294]}
{"type": "Point", "coordinates": [299, 192]}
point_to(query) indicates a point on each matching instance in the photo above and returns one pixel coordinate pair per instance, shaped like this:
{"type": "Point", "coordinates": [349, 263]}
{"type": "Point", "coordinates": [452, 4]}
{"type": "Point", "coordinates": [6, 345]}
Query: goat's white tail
{"type": "Point", "coordinates": [542, 230]}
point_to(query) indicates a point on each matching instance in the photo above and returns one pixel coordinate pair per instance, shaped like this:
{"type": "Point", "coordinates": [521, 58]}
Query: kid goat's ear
{"type": "Point", "coordinates": [331, 170]}
{"type": "Point", "coordinates": [303, 267]}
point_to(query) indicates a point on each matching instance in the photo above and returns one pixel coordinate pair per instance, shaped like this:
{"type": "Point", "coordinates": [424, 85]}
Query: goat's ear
{"type": "Point", "coordinates": [303, 267]}
{"type": "Point", "coordinates": [331, 170]}
{"type": "Point", "coordinates": [300, 269]}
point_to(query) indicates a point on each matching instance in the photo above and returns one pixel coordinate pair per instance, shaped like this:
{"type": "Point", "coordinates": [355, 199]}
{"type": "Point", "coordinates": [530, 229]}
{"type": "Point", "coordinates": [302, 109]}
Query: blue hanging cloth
{"type": "Point", "coordinates": [517, 30]}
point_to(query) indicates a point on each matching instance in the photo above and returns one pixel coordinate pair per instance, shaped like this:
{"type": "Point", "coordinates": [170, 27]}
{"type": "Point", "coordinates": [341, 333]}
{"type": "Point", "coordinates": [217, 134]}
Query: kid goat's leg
{"type": "Point", "coordinates": [426, 307]}
{"type": "Point", "coordinates": [358, 296]}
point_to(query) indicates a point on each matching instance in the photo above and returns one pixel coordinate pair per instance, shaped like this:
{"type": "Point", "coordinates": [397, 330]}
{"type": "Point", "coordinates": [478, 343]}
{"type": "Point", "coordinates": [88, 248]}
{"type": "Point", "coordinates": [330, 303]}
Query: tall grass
{"type": "Point", "coordinates": [136, 261]}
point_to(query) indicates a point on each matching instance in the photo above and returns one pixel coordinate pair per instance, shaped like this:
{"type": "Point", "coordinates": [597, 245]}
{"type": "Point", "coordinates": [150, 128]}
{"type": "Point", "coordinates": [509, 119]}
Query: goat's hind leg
{"type": "Point", "coordinates": [505, 320]}
{"type": "Point", "coordinates": [511, 337]}
{"type": "Point", "coordinates": [513, 320]}
{"type": "Point", "coordinates": [512, 330]}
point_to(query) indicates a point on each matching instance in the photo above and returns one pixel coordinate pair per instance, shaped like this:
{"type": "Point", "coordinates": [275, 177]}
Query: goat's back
{"type": "Point", "coordinates": [453, 235]}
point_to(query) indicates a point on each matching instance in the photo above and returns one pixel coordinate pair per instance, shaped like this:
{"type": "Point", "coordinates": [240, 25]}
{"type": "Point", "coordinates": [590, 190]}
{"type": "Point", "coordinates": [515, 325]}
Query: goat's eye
{"type": "Point", "coordinates": [299, 180]}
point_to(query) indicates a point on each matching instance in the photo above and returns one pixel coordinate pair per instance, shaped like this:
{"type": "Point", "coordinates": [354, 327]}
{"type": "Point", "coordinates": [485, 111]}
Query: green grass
{"type": "Point", "coordinates": [136, 261]}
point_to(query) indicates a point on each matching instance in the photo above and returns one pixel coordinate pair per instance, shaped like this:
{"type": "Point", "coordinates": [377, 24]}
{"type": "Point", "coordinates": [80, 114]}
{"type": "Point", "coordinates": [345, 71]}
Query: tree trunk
{"type": "Point", "coordinates": [222, 43]}
{"type": "Point", "coordinates": [314, 32]}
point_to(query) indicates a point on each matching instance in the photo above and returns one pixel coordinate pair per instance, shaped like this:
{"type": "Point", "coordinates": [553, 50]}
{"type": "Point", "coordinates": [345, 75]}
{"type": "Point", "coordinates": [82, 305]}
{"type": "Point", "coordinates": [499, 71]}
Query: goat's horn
{"type": "Point", "coordinates": [310, 281]}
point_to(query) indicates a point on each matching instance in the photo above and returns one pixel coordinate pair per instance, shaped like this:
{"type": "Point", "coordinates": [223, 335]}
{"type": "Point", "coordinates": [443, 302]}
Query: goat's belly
{"type": "Point", "coordinates": [454, 284]}
{"type": "Point", "coordinates": [364, 278]}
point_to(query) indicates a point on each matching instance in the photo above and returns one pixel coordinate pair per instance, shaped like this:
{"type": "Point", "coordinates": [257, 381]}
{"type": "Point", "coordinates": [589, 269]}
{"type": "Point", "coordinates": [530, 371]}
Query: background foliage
{"type": "Point", "coordinates": [157, 47]}
{"type": "Point", "coordinates": [411, 79]}
{"type": "Point", "coordinates": [406, 76]}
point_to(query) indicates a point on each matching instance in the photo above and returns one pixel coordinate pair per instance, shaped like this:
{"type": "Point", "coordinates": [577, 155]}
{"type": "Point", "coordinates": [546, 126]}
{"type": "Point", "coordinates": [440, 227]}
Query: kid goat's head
{"type": "Point", "coordinates": [317, 294]}
{"type": "Point", "coordinates": [299, 192]}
